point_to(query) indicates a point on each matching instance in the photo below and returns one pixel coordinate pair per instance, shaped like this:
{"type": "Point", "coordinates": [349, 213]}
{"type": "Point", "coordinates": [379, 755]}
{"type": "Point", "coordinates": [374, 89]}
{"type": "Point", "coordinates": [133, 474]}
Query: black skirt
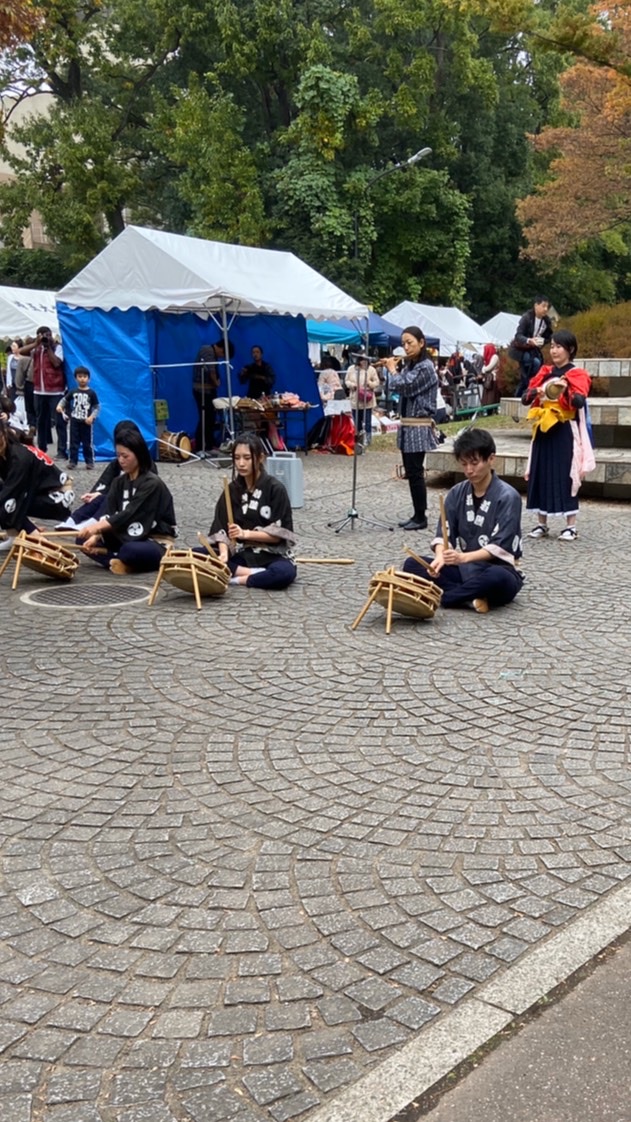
{"type": "Point", "coordinates": [550, 483]}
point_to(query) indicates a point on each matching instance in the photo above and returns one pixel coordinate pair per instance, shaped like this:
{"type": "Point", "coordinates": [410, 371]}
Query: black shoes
{"type": "Point", "coordinates": [412, 524]}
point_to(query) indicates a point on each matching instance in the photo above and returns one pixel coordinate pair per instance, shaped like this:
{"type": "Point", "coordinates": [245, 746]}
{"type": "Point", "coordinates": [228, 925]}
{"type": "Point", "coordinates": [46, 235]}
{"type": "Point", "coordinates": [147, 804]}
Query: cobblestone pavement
{"type": "Point", "coordinates": [247, 853]}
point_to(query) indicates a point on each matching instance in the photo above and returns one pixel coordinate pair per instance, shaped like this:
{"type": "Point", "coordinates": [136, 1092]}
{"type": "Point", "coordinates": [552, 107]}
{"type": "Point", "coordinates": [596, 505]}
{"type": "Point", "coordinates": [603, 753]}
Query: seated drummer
{"type": "Point", "coordinates": [94, 503]}
{"type": "Point", "coordinates": [256, 545]}
{"type": "Point", "coordinates": [484, 522]}
{"type": "Point", "coordinates": [31, 486]}
{"type": "Point", "coordinates": [139, 510]}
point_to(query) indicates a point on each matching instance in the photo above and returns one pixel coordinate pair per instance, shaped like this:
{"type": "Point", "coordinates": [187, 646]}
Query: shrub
{"type": "Point", "coordinates": [603, 331]}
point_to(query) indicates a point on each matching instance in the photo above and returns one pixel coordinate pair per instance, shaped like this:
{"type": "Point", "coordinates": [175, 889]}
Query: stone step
{"type": "Point", "coordinates": [611, 418]}
{"type": "Point", "coordinates": [612, 376]}
{"type": "Point", "coordinates": [611, 478]}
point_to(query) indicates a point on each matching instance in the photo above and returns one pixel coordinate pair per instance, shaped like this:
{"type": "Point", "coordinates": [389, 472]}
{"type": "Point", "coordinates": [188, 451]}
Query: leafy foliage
{"type": "Point", "coordinates": [285, 123]}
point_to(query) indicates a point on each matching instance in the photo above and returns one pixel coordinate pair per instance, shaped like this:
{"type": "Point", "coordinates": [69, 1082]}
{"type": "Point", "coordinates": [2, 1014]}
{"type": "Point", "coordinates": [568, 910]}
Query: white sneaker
{"type": "Point", "coordinates": [69, 524]}
{"type": "Point", "coordinates": [5, 546]}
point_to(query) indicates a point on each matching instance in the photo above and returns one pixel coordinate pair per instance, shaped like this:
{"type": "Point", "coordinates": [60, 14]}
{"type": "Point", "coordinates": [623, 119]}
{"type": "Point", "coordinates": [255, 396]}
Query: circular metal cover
{"type": "Point", "coordinates": [105, 595]}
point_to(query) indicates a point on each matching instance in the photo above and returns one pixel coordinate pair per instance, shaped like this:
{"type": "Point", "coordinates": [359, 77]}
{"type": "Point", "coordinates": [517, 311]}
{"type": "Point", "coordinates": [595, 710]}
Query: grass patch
{"type": "Point", "coordinates": [387, 441]}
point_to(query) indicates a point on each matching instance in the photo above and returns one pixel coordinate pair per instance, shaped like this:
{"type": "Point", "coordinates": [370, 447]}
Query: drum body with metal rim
{"type": "Point", "coordinates": [174, 447]}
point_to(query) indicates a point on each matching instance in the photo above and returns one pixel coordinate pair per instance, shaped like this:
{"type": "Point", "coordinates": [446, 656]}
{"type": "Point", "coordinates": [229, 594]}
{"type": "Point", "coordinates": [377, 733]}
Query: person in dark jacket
{"type": "Point", "coordinates": [534, 331]}
{"type": "Point", "coordinates": [31, 486]}
{"type": "Point", "coordinates": [259, 375]}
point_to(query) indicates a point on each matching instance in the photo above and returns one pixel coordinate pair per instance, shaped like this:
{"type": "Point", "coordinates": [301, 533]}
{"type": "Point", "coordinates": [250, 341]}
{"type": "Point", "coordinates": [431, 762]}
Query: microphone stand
{"type": "Point", "coordinates": [352, 515]}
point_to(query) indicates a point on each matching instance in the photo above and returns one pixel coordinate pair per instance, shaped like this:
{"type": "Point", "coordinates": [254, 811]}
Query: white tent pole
{"type": "Point", "coordinates": [226, 351]}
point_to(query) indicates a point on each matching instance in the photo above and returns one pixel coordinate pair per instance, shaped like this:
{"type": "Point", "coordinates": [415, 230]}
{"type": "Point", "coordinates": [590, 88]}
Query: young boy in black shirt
{"type": "Point", "coordinates": [81, 407]}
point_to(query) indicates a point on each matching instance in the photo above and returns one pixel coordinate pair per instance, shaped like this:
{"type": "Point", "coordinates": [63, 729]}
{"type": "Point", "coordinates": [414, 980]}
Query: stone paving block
{"type": "Point", "coordinates": [376, 1035]}
{"type": "Point", "coordinates": [327, 1074]}
{"type": "Point", "coordinates": [232, 1022]}
{"type": "Point", "coordinates": [138, 1087]}
{"type": "Point", "coordinates": [293, 1107]}
{"type": "Point", "coordinates": [452, 990]}
{"type": "Point", "coordinates": [293, 1016]}
{"type": "Point", "coordinates": [45, 1044]}
{"type": "Point", "coordinates": [73, 1086]}
{"type": "Point", "coordinates": [413, 1012]}
{"type": "Point", "coordinates": [17, 1108]}
{"type": "Point", "coordinates": [272, 1050]}
{"type": "Point", "coordinates": [269, 1086]}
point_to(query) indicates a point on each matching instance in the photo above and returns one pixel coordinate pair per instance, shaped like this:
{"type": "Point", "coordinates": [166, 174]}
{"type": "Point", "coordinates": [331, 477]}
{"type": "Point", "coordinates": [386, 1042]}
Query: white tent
{"type": "Point", "coordinates": [137, 312]}
{"type": "Point", "coordinates": [502, 327]}
{"type": "Point", "coordinates": [454, 328]}
{"type": "Point", "coordinates": [23, 310]}
{"type": "Point", "coordinates": [146, 269]}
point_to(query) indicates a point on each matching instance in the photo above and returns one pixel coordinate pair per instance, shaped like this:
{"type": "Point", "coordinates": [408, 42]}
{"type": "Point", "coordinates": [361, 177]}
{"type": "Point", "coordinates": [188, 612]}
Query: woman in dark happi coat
{"type": "Point", "coordinates": [256, 544]}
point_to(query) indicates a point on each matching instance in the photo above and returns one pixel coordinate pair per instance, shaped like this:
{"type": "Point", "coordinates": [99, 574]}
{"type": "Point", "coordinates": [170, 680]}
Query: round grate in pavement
{"type": "Point", "coordinates": [111, 594]}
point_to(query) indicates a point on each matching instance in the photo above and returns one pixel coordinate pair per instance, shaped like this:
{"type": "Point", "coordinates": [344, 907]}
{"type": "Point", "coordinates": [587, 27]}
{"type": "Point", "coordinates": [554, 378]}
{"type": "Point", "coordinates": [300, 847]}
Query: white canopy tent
{"type": "Point", "coordinates": [502, 327]}
{"type": "Point", "coordinates": [145, 278]}
{"type": "Point", "coordinates": [145, 269]}
{"type": "Point", "coordinates": [23, 310]}
{"type": "Point", "coordinates": [454, 328]}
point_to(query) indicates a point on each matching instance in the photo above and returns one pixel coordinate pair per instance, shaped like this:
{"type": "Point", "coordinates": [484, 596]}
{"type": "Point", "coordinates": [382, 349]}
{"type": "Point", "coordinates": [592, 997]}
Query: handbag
{"type": "Point", "coordinates": [364, 394]}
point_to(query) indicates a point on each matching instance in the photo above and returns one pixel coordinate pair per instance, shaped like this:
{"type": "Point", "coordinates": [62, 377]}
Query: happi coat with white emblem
{"type": "Point", "coordinates": [495, 525]}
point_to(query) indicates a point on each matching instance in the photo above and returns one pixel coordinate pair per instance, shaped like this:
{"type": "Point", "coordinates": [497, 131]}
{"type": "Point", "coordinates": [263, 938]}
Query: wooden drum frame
{"type": "Point", "coordinates": [48, 558]}
{"type": "Point", "coordinates": [404, 593]}
{"type": "Point", "coordinates": [196, 573]}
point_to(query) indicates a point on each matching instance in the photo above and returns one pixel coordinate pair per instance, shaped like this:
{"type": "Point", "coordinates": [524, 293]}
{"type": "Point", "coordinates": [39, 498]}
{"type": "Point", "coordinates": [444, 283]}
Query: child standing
{"type": "Point", "coordinates": [81, 407]}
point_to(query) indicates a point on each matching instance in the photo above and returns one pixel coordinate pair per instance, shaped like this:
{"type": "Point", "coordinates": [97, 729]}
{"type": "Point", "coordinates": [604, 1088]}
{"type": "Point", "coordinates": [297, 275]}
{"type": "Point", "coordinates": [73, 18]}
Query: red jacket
{"type": "Point", "coordinates": [47, 378]}
{"type": "Point", "coordinates": [578, 381]}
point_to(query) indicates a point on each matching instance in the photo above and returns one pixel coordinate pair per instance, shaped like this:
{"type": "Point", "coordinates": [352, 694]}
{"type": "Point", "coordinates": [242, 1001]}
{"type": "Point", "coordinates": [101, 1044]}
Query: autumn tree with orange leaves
{"type": "Point", "coordinates": [17, 20]}
{"type": "Point", "coordinates": [588, 191]}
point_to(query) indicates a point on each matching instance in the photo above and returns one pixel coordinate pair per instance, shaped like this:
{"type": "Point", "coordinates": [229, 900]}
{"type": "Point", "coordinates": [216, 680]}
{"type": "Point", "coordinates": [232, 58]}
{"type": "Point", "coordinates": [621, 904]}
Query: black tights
{"type": "Point", "coordinates": [413, 463]}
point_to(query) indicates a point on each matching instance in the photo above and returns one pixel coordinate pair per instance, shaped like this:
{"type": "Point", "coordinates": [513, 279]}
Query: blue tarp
{"type": "Point", "coordinates": [381, 332]}
{"type": "Point", "coordinates": [138, 356]}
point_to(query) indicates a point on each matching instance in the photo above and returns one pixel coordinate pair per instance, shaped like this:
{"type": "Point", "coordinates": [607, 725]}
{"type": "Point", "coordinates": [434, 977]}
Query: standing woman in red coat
{"type": "Point", "coordinates": [560, 452]}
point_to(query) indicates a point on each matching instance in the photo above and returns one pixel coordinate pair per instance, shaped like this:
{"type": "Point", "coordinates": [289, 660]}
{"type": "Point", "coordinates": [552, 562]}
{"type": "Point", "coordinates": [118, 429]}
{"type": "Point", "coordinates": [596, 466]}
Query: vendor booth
{"type": "Point", "coordinates": [138, 314]}
{"type": "Point", "coordinates": [23, 310]}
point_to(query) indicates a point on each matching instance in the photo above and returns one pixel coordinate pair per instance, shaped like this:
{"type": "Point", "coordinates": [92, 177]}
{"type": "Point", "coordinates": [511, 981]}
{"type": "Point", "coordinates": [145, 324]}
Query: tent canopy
{"type": "Point", "coordinates": [454, 328]}
{"type": "Point", "coordinates": [380, 332]}
{"type": "Point", "coordinates": [149, 269]}
{"type": "Point", "coordinates": [502, 327]}
{"type": "Point", "coordinates": [23, 310]}
{"type": "Point", "coordinates": [137, 315]}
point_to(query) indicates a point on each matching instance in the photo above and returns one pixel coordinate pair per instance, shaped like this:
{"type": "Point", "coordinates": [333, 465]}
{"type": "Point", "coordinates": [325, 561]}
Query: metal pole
{"type": "Point", "coordinates": [226, 351]}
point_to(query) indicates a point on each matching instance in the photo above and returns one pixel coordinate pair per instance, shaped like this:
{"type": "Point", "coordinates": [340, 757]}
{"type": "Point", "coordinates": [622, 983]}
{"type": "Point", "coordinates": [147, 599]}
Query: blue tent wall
{"type": "Point", "coordinates": [136, 356]}
{"type": "Point", "coordinates": [116, 347]}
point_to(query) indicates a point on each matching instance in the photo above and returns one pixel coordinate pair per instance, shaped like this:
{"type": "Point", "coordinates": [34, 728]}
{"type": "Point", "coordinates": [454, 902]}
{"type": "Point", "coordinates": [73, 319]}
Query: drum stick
{"type": "Point", "coordinates": [325, 560]}
{"type": "Point", "coordinates": [443, 522]}
{"type": "Point", "coordinates": [56, 534]}
{"type": "Point", "coordinates": [206, 544]}
{"type": "Point", "coordinates": [226, 491]}
{"type": "Point", "coordinates": [421, 560]}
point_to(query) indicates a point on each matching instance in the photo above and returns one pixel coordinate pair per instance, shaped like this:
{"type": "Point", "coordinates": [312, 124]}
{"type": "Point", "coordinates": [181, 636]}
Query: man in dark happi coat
{"type": "Point", "coordinates": [479, 565]}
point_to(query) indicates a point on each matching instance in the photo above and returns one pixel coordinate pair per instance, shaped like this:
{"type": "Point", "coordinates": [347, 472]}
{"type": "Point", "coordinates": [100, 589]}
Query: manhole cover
{"type": "Point", "coordinates": [86, 595]}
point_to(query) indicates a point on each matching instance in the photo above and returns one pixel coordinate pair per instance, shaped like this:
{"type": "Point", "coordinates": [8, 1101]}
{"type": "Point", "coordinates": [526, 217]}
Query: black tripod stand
{"type": "Point", "coordinates": [352, 516]}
